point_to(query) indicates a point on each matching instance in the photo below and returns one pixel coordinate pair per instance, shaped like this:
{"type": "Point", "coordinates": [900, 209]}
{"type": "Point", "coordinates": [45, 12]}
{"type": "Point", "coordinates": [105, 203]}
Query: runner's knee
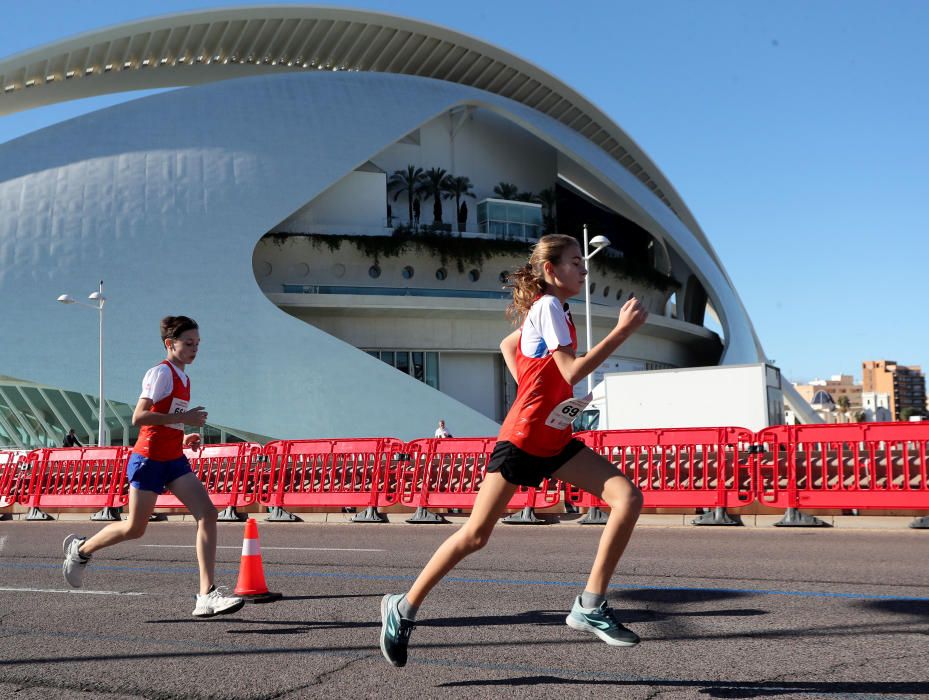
{"type": "Point", "coordinates": [628, 499]}
{"type": "Point", "coordinates": [473, 540]}
{"type": "Point", "coordinates": [134, 530]}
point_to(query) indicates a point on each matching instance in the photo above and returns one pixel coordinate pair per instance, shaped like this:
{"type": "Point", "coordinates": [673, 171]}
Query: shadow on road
{"type": "Point", "coordinates": [714, 689]}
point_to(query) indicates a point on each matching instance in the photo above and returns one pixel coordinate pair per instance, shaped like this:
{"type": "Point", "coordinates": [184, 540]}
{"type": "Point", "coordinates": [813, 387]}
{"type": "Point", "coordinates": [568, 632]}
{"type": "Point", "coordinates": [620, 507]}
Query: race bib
{"type": "Point", "coordinates": [177, 406]}
{"type": "Point", "coordinates": [564, 413]}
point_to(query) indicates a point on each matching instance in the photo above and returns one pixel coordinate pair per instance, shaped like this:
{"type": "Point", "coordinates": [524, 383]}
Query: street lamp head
{"type": "Point", "coordinates": [97, 296]}
{"type": "Point", "coordinates": [597, 243]}
{"type": "Point", "coordinates": [67, 299]}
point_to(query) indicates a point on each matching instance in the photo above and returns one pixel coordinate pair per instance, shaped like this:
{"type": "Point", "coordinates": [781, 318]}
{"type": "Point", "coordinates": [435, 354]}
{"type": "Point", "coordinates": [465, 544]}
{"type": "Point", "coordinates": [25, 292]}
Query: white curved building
{"type": "Point", "coordinates": [255, 199]}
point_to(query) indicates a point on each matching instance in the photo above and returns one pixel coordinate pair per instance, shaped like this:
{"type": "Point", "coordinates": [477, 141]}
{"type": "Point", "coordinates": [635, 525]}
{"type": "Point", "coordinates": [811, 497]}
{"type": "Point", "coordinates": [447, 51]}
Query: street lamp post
{"type": "Point", "coordinates": [99, 300]}
{"type": "Point", "coordinates": [598, 243]}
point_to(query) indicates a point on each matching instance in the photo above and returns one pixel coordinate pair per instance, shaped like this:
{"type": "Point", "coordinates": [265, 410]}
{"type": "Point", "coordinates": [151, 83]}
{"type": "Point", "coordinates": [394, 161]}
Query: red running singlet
{"type": "Point", "coordinates": [163, 443]}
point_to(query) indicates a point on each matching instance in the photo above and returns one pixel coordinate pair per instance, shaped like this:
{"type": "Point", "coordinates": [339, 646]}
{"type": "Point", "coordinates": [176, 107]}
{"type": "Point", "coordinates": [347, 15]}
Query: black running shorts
{"type": "Point", "coordinates": [523, 469]}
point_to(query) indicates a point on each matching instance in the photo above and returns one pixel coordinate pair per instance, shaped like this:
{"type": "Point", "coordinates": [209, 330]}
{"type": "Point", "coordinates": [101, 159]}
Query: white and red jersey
{"type": "Point", "coordinates": [541, 388]}
{"type": "Point", "coordinates": [169, 390]}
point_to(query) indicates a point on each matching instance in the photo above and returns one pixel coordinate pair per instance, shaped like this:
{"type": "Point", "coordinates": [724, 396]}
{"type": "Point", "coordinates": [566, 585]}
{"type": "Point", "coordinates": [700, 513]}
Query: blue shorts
{"type": "Point", "coordinates": [148, 475]}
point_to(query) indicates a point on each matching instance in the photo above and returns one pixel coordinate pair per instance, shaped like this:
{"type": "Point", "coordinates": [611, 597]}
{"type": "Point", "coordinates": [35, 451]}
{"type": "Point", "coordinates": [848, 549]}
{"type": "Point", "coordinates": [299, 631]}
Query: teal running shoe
{"type": "Point", "coordinates": [602, 622]}
{"type": "Point", "coordinates": [395, 630]}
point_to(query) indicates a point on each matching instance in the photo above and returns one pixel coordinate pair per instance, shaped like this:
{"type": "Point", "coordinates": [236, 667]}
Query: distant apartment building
{"type": "Point", "coordinates": [905, 385]}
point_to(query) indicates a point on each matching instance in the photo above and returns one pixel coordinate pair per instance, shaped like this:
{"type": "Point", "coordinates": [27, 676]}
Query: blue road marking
{"type": "Point", "coordinates": [495, 581]}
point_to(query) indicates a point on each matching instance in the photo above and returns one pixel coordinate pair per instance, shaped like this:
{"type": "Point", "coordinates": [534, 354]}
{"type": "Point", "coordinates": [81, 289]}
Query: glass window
{"type": "Point", "coordinates": [432, 369]}
{"type": "Point", "coordinates": [375, 354]}
{"type": "Point", "coordinates": [407, 272]}
{"type": "Point", "coordinates": [403, 362]}
{"type": "Point", "coordinates": [514, 230]}
{"type": "Point", "coordinates": [474, 275]}
{"type": "Point", "coordinates": [441, 273]}
{"type": "Point", "coordinates": [419, 368]}
{"type": "Point", "coordinates": [388, 357]}
{"type": "Point", "coordinates": [496, 210]}
{"type": "Point", "coordinates": [374, 271]}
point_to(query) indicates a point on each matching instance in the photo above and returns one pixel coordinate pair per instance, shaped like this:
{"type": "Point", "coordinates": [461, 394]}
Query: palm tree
{"type": "Point", "coordinates": [456, 188]}
{"type": "Point", "coordinates": [842, 404]}
{"type": "Point", "coordinates": [406, 182]}
{"type": "Point", "coordinates": [431, 187]}
{"type": "Point", "coordinates": [527, 197]}
{"type": "Point", "coordinates": [505, 190]}
{"type": "Point", "coordinates": [547, 198]}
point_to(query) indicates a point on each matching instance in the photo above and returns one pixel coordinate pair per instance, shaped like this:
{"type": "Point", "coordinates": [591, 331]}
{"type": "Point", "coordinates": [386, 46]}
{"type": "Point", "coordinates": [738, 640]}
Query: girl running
{"type": "Point", "coordinates": [158, 462]}
{"type": "Point", "coordinates": [535, 442]}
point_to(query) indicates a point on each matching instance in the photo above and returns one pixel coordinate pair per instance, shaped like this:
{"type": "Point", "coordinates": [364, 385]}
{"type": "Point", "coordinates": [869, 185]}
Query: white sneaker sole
{"type": "Point", "coordinates": [583, 627]}
{"type": "Point", "coordinates": [65, 546]}
{"type": "Point", "coordinates": [384, 602]}
{"type": "Point", "coordinates": [235, 607]}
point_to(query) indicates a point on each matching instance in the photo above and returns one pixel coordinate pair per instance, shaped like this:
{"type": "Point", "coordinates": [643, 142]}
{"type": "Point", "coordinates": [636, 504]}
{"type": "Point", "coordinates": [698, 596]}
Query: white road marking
{"type": "Point", "coordinates": [286, 549]}
{"type": "Point", "coordinates": [2, 542]}
{"type": "Point", "coordinates": [67, 590]}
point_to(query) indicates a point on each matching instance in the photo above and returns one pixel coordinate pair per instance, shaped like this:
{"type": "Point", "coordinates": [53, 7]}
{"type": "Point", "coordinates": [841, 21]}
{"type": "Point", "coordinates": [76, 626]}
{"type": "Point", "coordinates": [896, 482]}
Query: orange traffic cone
{"type": "Point", "coordinates": [251, 584]}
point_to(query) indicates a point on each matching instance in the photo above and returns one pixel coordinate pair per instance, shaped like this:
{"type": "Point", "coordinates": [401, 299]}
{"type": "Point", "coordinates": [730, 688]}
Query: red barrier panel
{"type": "Point", "coordinates": [354, 472]}
{"type": "Point", "coordinates": [9, 477]}
{"type": "Point", "coordinates": [227, 472]}
{"type": "Point", "coordinates": [76, 477]}
{"type": "Point", "coordinates": [678, 467]}
{"type": "Point", "coordinates": [447, 473]}
{"type": "Point", "coordinates": [857, 465]}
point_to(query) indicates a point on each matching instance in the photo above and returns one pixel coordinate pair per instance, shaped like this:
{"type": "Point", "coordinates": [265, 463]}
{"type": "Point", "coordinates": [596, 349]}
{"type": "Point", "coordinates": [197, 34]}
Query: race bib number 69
{"type": "Point", "coordinates": [564, 413]}
{"type": "Point", "coordinates": [177, 406]}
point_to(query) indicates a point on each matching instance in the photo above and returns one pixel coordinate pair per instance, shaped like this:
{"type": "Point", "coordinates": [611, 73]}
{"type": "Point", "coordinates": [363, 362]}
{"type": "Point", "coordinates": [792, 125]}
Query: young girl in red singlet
{"type": "Point", "coordinates": [535, 442]}
{"type": "Point", "coordinates": [157, 462]}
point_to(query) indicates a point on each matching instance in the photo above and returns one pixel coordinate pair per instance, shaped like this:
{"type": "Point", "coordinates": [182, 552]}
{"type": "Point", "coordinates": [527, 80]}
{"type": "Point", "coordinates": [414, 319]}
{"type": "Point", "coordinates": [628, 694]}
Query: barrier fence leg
{"type": "Point", "coordinates": [276, 514]}
{"type": "Point", "coordinates": [594, 516]}
{"type": "Point", "coordinates": [107, 514]}
{"type": "Point", "coordinates": [370, 515]}
{"type": "Point", "coordinates": [524, 517]}
{"type": "Point", "coordinates": [920, 523]}
{"type": "Point", "coordinates": [716, 516]}
{"type": "Point", "coordinates": [422, 515]}
{"type": "Point", "coordinates": [229, 515]}
{"type": "Point", "coordinates": [37, 514]}
{"type": "Point", "coordinates": [794, 518]}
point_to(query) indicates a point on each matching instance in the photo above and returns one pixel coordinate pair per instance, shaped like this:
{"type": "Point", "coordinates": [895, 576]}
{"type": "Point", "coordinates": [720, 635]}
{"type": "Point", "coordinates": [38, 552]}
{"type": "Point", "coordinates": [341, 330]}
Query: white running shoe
{"type": "Point", "coordinates": [74, 564]}
{"type": "Point", "coordinates": [217, 602]}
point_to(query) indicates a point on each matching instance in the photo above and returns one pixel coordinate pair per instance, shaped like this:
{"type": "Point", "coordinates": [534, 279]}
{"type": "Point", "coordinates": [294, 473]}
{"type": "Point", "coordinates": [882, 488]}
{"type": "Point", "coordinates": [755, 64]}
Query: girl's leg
{"type": "Point", "coordinates": [596, 475]}
{"type": "Point", "coordinates": [141, 506]}
{"type": "Point", "coordinates": [189, 489]}
{"type": "Point", "coordinates": [492, 497]}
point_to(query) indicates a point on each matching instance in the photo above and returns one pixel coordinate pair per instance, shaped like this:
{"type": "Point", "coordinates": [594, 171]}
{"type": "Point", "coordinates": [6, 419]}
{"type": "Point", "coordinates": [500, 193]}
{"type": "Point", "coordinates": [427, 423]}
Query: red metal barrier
{"type": "Point", "coordinates": [227, 472]}
{"type": "Point", "coordinates": [679, 467]}
{"type": "Point", "coordinates": [75, 477]}
{"type": "Point", "coordinates": [9, 477]}
{"type": "Point", "coordinates": [447, 473]}
{"type": "Point", "coordinates": [360, 472]}
{"type": "Point", "coordinates": [857, 465]}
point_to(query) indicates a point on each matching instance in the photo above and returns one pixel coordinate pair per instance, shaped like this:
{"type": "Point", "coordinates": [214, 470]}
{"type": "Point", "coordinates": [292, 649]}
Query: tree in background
{"type": "Point", "coordinates": [457, 187]}
{"type": "Point", "coordinates": [547, 198]}
{"type": "Point", "coordinates": [432, 187]}
{"type": "Point", "coordinates": [406, 182]}
{"type": "Point", "coordinates": [505, 190]}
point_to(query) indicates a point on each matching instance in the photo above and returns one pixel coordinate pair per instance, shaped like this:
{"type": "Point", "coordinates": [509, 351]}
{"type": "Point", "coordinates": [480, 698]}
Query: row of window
{"type": "Point", "coordinates": [441, 274]}
{"type": "Point", "coordinates": [420, 365]}
{"type": "Point", "coordinates": [606, 291]}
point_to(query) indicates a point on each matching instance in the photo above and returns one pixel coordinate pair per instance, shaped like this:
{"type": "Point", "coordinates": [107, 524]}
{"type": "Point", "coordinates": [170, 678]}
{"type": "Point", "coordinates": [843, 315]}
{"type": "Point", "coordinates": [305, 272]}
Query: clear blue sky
{"type": "Point", "coordinates": [797, 132]}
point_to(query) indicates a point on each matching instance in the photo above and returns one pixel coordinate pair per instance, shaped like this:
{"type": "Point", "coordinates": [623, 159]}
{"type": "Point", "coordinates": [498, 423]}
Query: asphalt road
{"type": "Point", "coordinates": [734, 613]}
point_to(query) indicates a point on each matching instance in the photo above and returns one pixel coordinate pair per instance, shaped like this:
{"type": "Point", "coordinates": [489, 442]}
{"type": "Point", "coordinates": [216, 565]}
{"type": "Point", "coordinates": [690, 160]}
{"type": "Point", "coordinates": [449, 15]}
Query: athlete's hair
{"type": "Point", "coordinates": [173, 326]}
{"type": "Point", "coordinates": [528, 281]}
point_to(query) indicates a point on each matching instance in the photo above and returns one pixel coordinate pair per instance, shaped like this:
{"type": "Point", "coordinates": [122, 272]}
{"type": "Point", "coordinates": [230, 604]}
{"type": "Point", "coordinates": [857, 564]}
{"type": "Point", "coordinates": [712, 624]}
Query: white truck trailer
{"type": "Point", "coordinates": [745, 396]}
